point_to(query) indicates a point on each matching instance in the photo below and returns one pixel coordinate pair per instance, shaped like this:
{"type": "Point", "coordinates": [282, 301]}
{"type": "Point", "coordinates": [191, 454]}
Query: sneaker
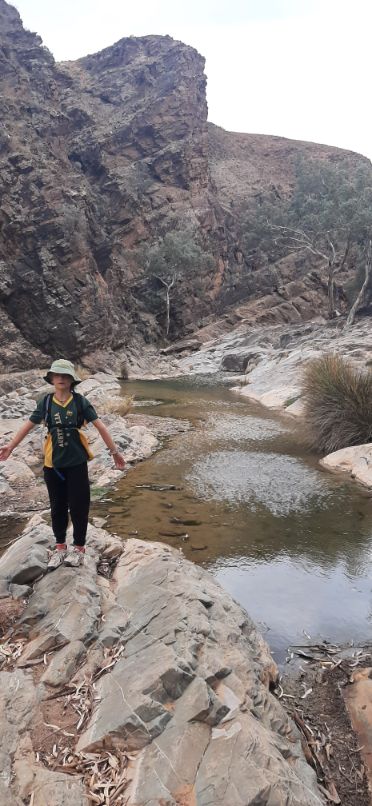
{"type": "Point", "coordinates": [56, 559]}
{"type": "Point", "coordinates": [74, 557]}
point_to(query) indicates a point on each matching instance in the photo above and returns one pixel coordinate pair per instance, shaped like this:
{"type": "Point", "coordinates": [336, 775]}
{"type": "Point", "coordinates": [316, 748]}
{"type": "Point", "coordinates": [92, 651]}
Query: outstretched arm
{"type": "Point", "coordinates": [18, 437]}
{"type": "Point", "coordinates": [107, 438]}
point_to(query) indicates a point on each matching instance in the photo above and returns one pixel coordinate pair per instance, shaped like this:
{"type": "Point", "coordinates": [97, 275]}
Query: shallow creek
{"type": "Point", "coordinates": [291, 543]}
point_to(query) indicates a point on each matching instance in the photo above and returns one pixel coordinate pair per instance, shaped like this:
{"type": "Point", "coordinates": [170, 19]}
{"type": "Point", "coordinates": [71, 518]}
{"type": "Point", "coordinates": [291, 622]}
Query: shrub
{"type": "Point", "coordinates": [338, 404]}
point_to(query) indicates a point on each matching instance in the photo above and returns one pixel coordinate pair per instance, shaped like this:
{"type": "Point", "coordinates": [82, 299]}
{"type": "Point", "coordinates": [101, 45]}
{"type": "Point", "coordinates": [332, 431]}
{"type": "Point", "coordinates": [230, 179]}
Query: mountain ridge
{"type": "Point", "coordinates": [100, 157]}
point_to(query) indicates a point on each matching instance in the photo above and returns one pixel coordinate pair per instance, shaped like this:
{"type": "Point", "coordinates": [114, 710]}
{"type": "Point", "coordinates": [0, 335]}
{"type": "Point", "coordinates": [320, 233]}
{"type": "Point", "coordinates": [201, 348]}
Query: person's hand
{"type": "Point", "coordinates": [119, 461]}
{"type": "Point", "coordinates": [5, 453]}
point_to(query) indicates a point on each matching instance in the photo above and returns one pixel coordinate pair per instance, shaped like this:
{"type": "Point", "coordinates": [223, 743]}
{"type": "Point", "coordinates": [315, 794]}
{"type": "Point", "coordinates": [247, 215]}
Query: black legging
{"type": "Point", "coordinates": [68, 489]}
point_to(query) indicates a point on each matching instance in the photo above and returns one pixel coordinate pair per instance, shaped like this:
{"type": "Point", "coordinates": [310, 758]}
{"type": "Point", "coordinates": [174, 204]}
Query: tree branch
{"type": "Point", "coordinates": [367, 273]}
{"type": "Point", "coordinates": [304, 240]}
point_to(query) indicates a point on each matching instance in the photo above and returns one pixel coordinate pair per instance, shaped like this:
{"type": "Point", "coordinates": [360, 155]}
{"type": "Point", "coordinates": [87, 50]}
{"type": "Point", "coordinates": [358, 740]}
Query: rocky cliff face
{"type": "Point", "coordinates": [99, 157]}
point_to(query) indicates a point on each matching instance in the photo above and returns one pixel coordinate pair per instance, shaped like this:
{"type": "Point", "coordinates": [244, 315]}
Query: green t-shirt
{"type": "Point", "coordinates": [65, 444]}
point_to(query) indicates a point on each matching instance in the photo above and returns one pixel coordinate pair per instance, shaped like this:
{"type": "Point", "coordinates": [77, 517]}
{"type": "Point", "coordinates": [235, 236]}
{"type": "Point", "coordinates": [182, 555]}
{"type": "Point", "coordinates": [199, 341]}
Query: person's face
{"type": "Point", "coordinates": [61, 383]}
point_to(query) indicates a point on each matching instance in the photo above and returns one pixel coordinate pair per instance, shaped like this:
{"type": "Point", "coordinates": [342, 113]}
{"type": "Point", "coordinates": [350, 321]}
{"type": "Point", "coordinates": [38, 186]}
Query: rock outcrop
{"type": "Point", "coordinates": [154, 682]}
{"type": "Point", "coordinates": [105, 155]}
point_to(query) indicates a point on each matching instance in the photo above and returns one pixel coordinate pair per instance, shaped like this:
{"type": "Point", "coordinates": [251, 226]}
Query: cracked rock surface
{"type": "Point", "coordinates": [181, 685]}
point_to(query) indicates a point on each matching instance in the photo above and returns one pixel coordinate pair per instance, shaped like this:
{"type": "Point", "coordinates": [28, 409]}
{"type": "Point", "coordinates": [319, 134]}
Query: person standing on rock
{"type": "Point", "coordinates": [66, 453]}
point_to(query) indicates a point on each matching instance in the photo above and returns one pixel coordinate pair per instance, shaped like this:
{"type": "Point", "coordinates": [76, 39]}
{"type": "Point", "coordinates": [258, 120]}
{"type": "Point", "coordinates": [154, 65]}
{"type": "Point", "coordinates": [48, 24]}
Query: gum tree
{"type": "Point", "coordinates": [329, 215]}
{"type": "Point", "coordinates": [176, 258]}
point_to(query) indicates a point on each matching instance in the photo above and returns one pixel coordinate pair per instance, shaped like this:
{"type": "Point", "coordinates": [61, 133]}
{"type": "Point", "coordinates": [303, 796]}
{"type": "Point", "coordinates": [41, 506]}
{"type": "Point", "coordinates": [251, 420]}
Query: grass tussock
{"type": "Point", "coordinates": [116, 405]}
{"type": "Point", "coordinates": [338, 404]}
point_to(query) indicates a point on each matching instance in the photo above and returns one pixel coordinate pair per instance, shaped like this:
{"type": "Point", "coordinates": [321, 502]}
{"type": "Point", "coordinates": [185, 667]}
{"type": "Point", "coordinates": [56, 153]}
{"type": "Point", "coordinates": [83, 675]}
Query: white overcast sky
{"type": "Point", "coordinates": [296, 68]}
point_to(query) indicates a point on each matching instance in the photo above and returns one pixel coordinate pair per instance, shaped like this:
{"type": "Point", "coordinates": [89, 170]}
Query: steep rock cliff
{"type": "Point", "coordinates": [99, 157]}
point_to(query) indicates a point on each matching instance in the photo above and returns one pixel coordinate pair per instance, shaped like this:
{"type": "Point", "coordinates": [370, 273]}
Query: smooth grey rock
{"type": "Point", "coordinates": [46, 642]}
{"type": "Point", "coordinates": [64, 664]}
{"type": "Point", "coordinates": [170, 765]}
{"type": "Point", "coordinates": [130, 709]}
{"type": "Point", "coordinates": [57, 788]}
{"type": "Point", "coordinates": [6, 796]}
{"type": "Point", "coordinates": [114, 626]}
{"type": "Point", "coordinates": [94, 662]}
{"type": "Point", "coordinates": [18, 699]}
{"type": "Point", "coordinates": [199, 703]}
{"type": "Point", "coordinates": [180, 346]}
{"type": "Point", "coordinates": [27, 558]}
{"type": "Point", "coordinates": [223, 778]}
{"type": "Point", "coordinates": [65, 605]}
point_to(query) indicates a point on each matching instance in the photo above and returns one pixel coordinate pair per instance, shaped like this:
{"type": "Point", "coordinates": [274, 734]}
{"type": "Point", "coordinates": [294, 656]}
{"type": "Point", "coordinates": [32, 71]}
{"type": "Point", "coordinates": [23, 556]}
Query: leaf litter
{"type": "Point", "coordinates": [105, 774]}
{"type": "Point", "coordinates": [313, 698]}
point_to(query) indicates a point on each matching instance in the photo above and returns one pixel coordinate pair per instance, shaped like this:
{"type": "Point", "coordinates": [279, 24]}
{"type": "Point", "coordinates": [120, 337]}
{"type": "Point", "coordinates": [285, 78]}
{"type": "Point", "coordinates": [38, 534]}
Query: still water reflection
{"type": "Point", "coordinates": [291, 543]}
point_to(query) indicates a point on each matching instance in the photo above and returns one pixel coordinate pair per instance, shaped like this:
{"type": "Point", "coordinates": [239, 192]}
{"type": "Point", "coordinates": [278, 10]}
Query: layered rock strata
{"type": "Point", "coordinates": [179, 683]}
{"type": "Point", "coordinates": [99, 158]}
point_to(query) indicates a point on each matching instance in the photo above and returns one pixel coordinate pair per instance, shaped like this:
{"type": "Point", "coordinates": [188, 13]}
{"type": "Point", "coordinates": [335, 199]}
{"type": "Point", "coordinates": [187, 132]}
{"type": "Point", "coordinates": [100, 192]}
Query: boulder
{"type": "Point", "coordinates": [27, 558]}
{"type": "Point", "coordinates": [240, 362]}
{"type": "Point", "coordinates": [355, 461]}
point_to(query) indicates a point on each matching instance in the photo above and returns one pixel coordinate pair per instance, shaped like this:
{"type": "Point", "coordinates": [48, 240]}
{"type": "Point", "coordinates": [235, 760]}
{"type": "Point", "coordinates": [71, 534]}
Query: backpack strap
{"type": "Point", "coordinates": [79, 408]}
{"type": "Point", "coordinates": [46, 410]}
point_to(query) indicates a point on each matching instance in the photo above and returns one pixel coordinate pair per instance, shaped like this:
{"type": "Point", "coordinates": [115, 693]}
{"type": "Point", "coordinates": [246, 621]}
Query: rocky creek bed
{"type": "Point", "coordinates": [149, 687]}
{"type": "Point", "coordinates": [136, 680]}
{"type": "Point", "coordinates": [265, 364]}
{"type": "Point", "coordinates": [139, 680]}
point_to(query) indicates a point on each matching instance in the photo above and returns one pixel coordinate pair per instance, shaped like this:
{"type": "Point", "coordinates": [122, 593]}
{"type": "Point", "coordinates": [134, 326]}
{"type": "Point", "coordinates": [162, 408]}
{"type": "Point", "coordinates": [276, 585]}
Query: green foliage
{"type": "Point", "coordinates": [177, 264]}
{"type": "Point", "coordinates": [330, 202]}
{"type": "Point", "coordinates": [258, 233]}
{"type": "Point", "coordinates": [177, 255]}
{"type": "Point", "coordinates": [337, 400]}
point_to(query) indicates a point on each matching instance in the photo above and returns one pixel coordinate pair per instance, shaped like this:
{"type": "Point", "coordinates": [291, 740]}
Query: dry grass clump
{"type": "Point", "coordinates": [338, 404]}
{"type": "Point", "coordinates": [116, 405]}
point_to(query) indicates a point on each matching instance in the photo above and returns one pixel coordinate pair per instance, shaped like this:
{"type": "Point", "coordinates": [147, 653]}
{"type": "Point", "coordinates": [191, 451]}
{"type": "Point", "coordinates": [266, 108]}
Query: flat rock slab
{"type": "Point", "coordinates": [358, 701]}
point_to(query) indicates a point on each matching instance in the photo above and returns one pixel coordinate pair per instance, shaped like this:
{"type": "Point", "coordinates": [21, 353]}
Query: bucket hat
{"type": "Point", "coordinates": [62, 367]}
